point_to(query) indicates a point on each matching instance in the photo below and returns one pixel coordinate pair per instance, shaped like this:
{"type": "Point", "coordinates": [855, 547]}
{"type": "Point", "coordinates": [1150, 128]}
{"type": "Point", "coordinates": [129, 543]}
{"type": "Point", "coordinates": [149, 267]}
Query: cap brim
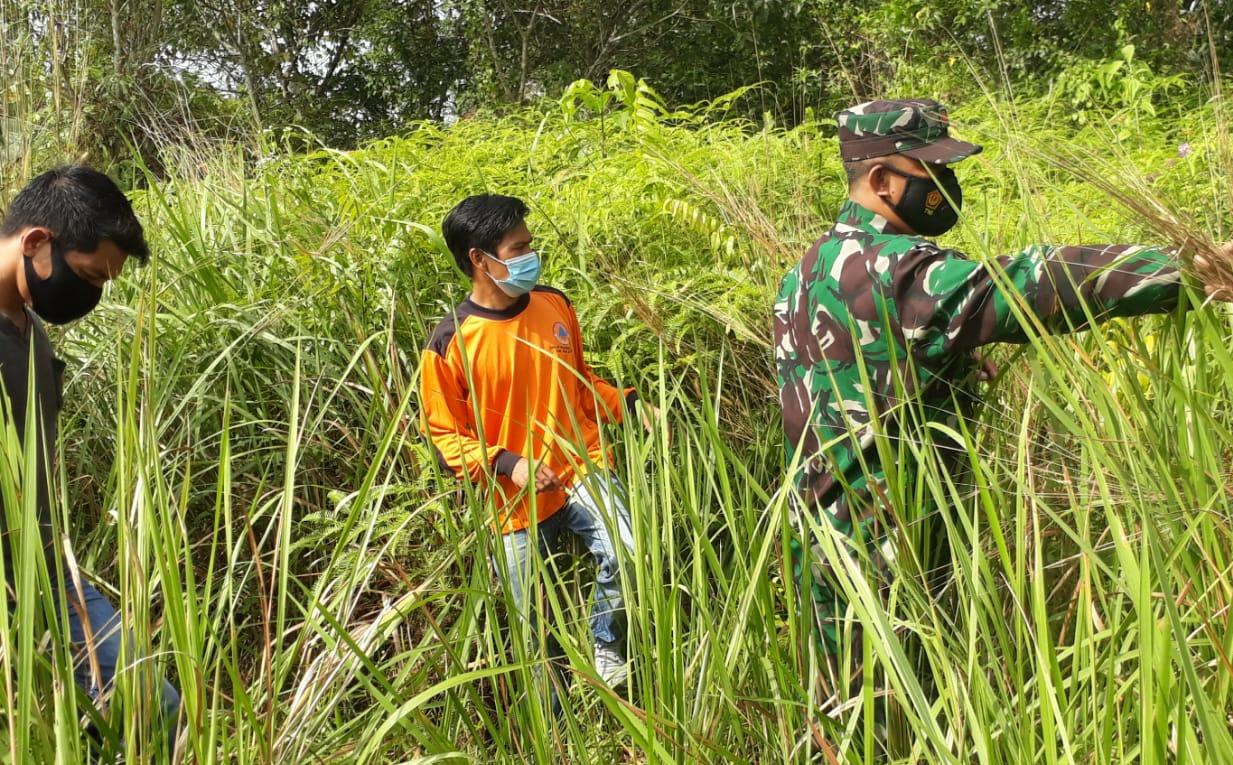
{"type": "Point", "coordinates": [943, 151]}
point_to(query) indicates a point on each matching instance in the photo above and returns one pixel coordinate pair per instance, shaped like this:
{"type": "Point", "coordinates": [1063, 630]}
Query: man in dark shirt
{"type": "Point", "coordinates": [65, 235]}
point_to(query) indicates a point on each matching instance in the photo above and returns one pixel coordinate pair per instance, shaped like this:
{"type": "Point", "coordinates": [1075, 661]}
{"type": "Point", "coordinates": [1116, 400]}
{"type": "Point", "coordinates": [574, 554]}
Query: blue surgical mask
{"type": "Point", "coordinates": [523, 273]}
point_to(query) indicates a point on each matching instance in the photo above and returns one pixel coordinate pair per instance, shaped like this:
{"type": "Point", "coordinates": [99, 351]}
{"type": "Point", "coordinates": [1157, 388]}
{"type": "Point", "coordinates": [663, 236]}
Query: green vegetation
{"type": "Point", "coordinates": [100, 78]}
{"type": "Point", "coordinates": [241, 462]}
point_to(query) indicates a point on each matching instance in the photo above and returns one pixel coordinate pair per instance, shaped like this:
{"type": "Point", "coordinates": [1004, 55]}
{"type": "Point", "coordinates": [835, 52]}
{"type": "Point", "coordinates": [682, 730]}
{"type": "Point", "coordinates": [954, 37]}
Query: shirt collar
{"type": "Point", "coordinates": [854, 216]}
{"type": "Point", "coordinates": [7, 325]}
{"type": "Point", "coordinates": [469, 306]}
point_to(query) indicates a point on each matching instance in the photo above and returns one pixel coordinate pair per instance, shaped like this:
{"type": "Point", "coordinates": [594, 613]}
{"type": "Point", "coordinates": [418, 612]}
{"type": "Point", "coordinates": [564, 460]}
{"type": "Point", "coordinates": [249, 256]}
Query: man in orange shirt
{"type": "Point", "coordinates": [510, 403]}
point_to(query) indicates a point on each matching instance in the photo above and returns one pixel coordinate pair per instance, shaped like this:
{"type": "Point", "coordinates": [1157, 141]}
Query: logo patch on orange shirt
{"type": "Point", "coordinates": [562, 336]}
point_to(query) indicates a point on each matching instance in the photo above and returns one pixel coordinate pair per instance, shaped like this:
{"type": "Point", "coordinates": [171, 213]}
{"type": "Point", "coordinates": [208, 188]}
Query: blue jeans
{"type": "Point", "coordinates": [595, 512]}
{"type": "Point", "coordinates": [104, 640]}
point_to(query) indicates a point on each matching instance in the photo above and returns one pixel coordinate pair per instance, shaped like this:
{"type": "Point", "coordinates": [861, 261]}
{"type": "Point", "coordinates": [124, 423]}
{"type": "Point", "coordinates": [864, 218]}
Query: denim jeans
{"type": "Point", "coordinates": [104, 639]}
{"type": "Point", "coordinates": [595, 512]}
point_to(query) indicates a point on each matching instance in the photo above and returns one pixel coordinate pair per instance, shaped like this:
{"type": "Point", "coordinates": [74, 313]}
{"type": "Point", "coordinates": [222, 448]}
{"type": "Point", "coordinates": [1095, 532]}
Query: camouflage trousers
{"type": "Point", "coordinates": [833, 627]}
{"type": "Point", "coordinates": [823, 607]}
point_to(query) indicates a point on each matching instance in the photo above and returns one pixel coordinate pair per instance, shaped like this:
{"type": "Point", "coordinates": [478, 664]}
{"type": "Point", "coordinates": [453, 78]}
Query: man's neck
{"type": "Point", "coordinates": [865, 197]}
{"type": "Point", "coordinates": [12, 305]}
{"type": "Point", "coordinates": [486, 294]}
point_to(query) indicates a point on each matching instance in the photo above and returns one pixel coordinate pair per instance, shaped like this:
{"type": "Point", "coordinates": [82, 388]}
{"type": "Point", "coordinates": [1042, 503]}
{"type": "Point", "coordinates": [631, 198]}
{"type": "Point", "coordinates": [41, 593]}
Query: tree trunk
{"type": "Point", "coordinates": [524, 58]}
{"type": "Point", "coordinates": [117, 57]}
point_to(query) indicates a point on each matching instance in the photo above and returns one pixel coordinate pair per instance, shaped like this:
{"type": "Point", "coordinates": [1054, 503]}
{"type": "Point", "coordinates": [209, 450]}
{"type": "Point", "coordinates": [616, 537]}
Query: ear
{"type": "Point", "coordinates": [36, 245]}
{"type": "Point", "coordinates": [477, 259]}
{"type": "Point", "coordinates": [34, 240]}
{"type": "Point", "coordinates": [879, 181]}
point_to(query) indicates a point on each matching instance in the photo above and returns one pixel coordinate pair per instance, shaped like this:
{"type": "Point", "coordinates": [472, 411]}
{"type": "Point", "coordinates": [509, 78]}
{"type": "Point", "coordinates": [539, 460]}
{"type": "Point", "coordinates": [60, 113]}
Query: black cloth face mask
{"type": "Point", "coordinates": [925, 207]}
{"type": "Point", "coordinates": [63, 296]}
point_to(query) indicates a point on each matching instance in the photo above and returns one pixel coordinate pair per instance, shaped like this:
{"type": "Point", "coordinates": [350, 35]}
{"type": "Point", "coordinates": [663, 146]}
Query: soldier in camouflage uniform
{"type": "Point", "coordinates": [876, 331]}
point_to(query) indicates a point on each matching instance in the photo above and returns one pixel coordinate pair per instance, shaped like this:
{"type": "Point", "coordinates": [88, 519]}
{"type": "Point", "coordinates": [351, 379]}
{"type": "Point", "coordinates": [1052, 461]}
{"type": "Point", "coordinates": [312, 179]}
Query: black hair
{"type": "Point", "coordinates": [81, 207]}
{"type": "Point", "coordinates": [480, 221]}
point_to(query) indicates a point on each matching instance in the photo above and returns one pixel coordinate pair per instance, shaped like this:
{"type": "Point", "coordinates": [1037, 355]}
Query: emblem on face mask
{"type": "Point", "coordinates": [929, 206]}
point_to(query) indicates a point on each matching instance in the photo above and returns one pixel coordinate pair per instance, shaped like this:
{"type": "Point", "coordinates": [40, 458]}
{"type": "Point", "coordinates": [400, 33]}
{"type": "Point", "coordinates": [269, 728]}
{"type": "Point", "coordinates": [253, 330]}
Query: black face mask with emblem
{"type": "Point", "coordinates": [924, 206]}
{"type": "Point", "coordinates": [63, 296]}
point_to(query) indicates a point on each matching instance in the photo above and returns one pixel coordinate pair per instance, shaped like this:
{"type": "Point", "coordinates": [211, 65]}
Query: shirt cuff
{"type": "Point", "coordinates": [631, 402]}
{"type": "Point", "coordinates": [505, 462]}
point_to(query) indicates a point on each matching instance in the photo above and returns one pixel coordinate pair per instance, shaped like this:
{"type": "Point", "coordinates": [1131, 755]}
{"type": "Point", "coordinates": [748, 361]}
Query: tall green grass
{"type": "Point", "coordinates": [240, 468]}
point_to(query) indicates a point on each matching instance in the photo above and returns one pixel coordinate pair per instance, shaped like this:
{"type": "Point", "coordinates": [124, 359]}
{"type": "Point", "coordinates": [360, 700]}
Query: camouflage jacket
{"type": "Point", "coordinates": [874, 328]}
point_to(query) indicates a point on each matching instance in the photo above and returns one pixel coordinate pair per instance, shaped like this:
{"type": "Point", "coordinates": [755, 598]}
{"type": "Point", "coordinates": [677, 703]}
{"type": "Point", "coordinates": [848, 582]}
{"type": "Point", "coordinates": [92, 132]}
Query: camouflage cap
{"type": "Point", "coordinates": [918, 128]}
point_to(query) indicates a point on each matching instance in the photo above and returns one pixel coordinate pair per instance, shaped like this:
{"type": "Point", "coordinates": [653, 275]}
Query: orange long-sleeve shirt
{"type": "Point", "coordinates": [496, 386]}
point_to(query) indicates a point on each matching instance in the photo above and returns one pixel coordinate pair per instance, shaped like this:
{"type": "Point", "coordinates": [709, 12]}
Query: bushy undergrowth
{"type": "Point", "coordinates": [242, 464]}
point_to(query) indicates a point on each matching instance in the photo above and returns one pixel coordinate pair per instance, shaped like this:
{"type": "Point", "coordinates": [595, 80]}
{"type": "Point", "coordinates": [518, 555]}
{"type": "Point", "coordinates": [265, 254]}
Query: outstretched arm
{"type": "Point", "coordinates": [949, 304]}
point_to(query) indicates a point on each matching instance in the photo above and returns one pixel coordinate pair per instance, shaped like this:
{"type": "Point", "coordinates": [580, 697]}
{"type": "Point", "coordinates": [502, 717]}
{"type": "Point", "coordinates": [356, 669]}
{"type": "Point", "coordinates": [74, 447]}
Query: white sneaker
{"type": "Point", "coordinates": [611, 665]}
